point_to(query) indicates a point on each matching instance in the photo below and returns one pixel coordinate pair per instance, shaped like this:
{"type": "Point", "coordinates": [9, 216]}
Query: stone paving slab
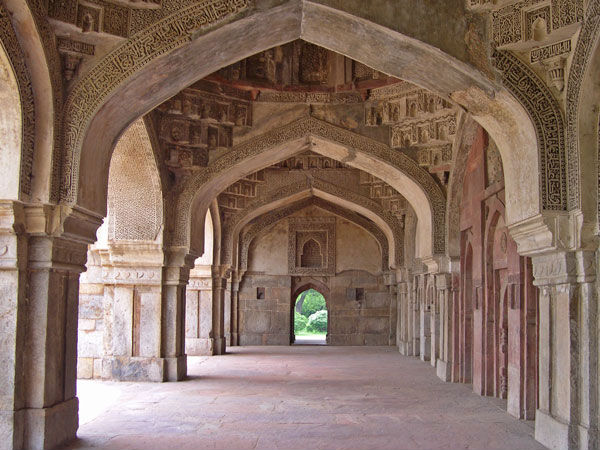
{"type": "Point", "coordinates": [297, 397]}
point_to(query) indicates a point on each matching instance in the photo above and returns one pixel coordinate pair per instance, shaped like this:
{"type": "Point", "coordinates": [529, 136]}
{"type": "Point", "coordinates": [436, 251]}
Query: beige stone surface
{"type": "Point", "coordinates": [294, 398]}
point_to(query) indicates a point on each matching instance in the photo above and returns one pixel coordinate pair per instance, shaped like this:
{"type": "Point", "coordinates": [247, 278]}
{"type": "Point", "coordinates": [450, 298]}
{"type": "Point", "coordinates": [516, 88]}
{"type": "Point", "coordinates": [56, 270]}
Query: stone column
{"type": "Point", "coordinates": [133, 283]}
{"type": "Point", "coordinates": [42, 252]}
{"type": "Point", "coordinates": [219, 284]}
{"type": "Point", "coordinates": [433, 298]}
{"type": "Point", "coordinates": [198, 317]}
{"type": "Point", "coordinates": [176, 272]}
{"type": "Point", "coordinates": [90, 336]}
{"type": "Point", "coordinates": [390, 281]}
{"type": "Point", "coordinates": [424, 320]}
{"type": "Point", "coordinates": [415, 307]}
{"type": "Point", "coordinates": [405, 314]}
{"type": "Point", "coordinates": [445, 289]}
{"type": "Point", "coordinates": [567, 414]}
{"type": "Point", "coordinates": [235, 299]}
{"type": "Point", "coordinates": [13, 304]}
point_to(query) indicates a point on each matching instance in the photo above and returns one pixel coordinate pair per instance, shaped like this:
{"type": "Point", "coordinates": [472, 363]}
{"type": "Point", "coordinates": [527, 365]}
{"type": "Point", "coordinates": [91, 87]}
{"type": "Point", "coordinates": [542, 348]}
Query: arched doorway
{"type": "Point", "coordinates": [310, 323]}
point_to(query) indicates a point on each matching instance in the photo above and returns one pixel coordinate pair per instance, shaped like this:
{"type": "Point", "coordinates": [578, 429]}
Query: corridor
{"type": "Point", "coordinates": [297, 397]}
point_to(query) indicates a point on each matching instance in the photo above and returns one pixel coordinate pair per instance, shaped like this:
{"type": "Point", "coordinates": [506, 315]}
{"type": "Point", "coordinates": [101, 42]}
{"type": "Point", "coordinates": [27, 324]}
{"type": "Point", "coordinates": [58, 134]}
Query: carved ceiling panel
{"type": "Point", "coordinates": [244, 192]}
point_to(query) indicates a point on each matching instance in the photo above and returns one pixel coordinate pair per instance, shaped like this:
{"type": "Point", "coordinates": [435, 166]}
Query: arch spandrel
{"type": "Point", "coordinates": [398, 170]}
{"type": "Point", "coordinates": [581, 124]}
{"type": "Point", "coordinates": [181, 53]}
{"type": "Point", "coordinates": [17, 117]}
{"type": "Point", "coordinates": [164, 58]}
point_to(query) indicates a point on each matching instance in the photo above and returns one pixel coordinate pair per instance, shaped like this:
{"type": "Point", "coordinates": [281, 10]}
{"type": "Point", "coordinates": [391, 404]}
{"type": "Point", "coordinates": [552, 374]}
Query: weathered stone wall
{"type": "Point", "coordinates": [265, 321]}
{"type": "Point", "coordinates": [266, 292]}
{"type": "Point", "coordinates": [91, 320]}
{"type": "Point", "coordinates": [498, 306]}
{"type": "Point", "coordinates": [362, 319]}
{"type": "Point", "coordinates": [198, 315]}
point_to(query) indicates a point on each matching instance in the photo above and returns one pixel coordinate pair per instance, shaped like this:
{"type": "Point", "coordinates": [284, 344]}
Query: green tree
{"type": "Point", "coordinates": [317, 322]}
{"type": "Point", "coordinates": [299, 322]}
{"type": "Point", "coordinates": [313, 302]}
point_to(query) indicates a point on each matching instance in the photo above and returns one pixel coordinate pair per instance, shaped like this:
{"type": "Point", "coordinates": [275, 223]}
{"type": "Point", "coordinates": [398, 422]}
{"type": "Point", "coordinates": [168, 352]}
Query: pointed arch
{"type": "Point", "coordinates": [261, 223]}
{"type": "Point", "coordinates": [325, 192]}
{"type": "Point", "coordinates": [406, 59]}
{"type": "Point", "coordinates": [395, 168]}
{"type": "Point", "coordinates": [17, 121]}
{"type": "Point", "coordinates": [135, 210]}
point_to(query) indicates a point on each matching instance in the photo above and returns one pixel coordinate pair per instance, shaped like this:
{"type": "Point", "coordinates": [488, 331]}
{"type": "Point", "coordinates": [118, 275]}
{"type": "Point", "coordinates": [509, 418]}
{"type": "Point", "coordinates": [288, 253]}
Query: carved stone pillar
{"type": "Point", "coordinates": [198, 317]}
{"type": "Point", "coordinates": [13, 295]}
{"type": "Point", "coordinates": [176, 272]}
{"type": "Point", "coordinates": [219, 284]}
{"type": "Point", "coordinates": [415, 307]}
{"type": "Point", "coordinates": [227, 315]}
{"type": "Point", "coordinates": [133, 278]}
{"type": "Point", "coordinates": [390, 281]}
{"type": "Point", "coordinates": [445, 293]}
{"type": "Point", "coordinates": [567, 412]}
{"type": "Point", "coordinates": [42, 252]}
{"type": "Point", "coordinates": [424, 321]}
{"type": "Point", "coordinates": [235, 299]}
{"type": "Point", "coordinates": [405, 313]}
{"type": "Point", "coordinates": [433, 299]}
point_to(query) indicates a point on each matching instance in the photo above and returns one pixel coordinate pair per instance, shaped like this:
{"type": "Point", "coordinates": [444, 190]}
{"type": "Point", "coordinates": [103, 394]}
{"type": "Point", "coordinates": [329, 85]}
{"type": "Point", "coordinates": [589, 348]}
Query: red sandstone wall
{"type": "Point", "coordinates": [497, 310]}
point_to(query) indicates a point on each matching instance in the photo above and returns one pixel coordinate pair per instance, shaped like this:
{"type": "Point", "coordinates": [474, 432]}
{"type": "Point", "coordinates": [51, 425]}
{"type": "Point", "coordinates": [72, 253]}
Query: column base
{"type": "Point", "coordinates": [199, 346]}
{"type": "Point", "coordinates": [416, 347]}
{"type": "Point", "coordinates": [405, 348]}
{"type": "Point", "coordinates": [219, 346]}
{"type": "Point", "coordinates": [444, 370]}
{"type": "Point", "coordinates": [12, 424]}
{"type": "Point", "coordinates": [588, 438]}
{"type": "Point", "coordinates": [205, 346]}
{"type": "Point", "coordinates": [425, 346]}
{"type": "Point", "coordinates": [47, 428]}
{"type": "Point", "coordinates": [134, 368]}
{"type": "Point", "coordinates": [551, 432]}
{"type": "Point", "coordinates": [235, 339]}
{"type": "Point", "coordinates": [176, 368]}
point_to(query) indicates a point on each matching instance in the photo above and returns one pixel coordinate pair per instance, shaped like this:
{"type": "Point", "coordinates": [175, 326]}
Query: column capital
{"type": "Point", "coordinates": [223, 271]}
{"type": "Point", "coordinates": [443, 281]}
{"type": "Point", "coordinates": [564, 267]}
{"type": "Point", "coordinates": [549, 231]}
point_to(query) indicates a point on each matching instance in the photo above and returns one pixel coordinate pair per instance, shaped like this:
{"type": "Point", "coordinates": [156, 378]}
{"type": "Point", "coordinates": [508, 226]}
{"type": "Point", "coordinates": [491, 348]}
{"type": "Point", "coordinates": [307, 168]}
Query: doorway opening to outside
{"type": "Point", "coordinates": [310, 318]}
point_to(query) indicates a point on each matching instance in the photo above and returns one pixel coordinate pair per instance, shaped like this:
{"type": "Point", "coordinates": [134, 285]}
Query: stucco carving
{"type": "Point", "coordinates": [89, 93]}
{"type": "Point", "coordinates": [546, 115]}
{"type": "Point", "coordinates": [320, 231]}
{"type": "Point", "coordinates": [289, 190]}
{"type": "Point", "coordinates": [39, 10]}
{"type": "Point", "coordinates": [8, 40]}
{"type": "Point", "coordinates": [260, 224]}
{"type": "Point", "coordinates": [134, 190]}
{"type": "Point", "coordinates": [306, 127]}
{"type": "Point", "coordinates": [514, 23]}
{"type": "Point", "coordinates": [585, 43]}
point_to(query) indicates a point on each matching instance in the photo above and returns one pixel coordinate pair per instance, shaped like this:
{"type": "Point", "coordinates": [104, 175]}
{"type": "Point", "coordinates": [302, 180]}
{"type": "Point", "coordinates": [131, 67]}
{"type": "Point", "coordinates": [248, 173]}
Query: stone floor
{"type": "Point", "coordinates": [298, 397]}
